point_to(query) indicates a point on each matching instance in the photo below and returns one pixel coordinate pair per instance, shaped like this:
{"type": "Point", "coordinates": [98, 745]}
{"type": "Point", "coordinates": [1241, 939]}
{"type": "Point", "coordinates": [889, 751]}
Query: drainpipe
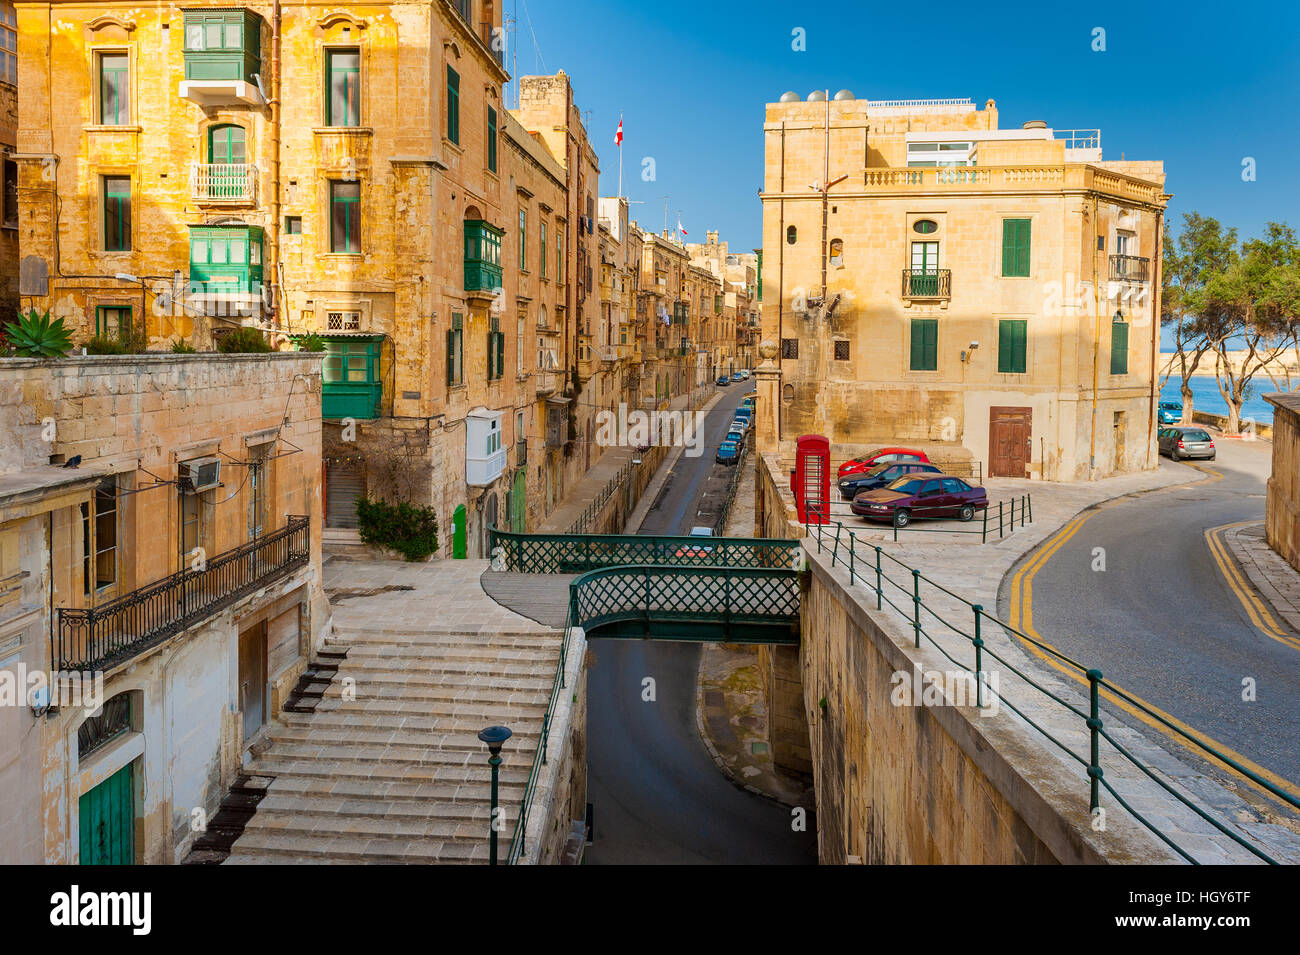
{"type": "Point", "coordinates": [274, 231]}
{"type": "Point", "coordinates": [1157, 260]}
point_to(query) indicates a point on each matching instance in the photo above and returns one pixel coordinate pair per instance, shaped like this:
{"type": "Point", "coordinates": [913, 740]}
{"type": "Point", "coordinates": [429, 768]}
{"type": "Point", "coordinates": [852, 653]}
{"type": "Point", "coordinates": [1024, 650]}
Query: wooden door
{"type": "Point", "coordinates": [106, 820]}
{"type": "Point", "coordinates": [252, 678]}
{"type": "Point", "coordinates": [1010, 441]}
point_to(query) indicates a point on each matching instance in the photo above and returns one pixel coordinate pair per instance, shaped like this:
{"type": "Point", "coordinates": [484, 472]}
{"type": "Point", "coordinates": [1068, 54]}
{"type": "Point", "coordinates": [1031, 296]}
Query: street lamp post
{"type": "Point", "coordinates": [495, 737]}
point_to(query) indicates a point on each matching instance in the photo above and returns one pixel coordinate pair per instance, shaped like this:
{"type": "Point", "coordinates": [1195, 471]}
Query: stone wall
{"type": "Point", "coordinates": [1282, 507]}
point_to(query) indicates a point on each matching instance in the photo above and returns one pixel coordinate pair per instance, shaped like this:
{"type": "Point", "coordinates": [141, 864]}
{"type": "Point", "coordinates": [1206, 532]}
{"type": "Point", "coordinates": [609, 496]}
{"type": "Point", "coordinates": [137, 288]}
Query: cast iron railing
{"type": "Point", "coordinates": [579, 553]}
{"type": "Point", "coordinates": [868, 564]}
{"type": "Point", "coordinates": [98, 638]}
{"type": "Point", "coordinates": [1130, 268]}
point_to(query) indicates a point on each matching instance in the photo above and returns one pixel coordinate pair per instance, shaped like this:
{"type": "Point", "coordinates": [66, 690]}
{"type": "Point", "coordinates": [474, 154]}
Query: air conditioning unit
{"type": "Point", "coordinates": [200, 474]}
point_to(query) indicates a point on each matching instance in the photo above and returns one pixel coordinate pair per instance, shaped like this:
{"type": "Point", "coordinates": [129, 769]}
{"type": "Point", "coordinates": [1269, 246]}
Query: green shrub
{"type": "Point", "coordinates": [312, 343]}
{"type": "Point", "coordinates": [181, 347]}
{"type": "Point", "coordinates": [410, 530]}
{"type": "Point", "coordinates": [35, 336]}
{"type": "Point", "coordinates": [243, 340]}
{"type": "Point", "coordinates": [105, 345]}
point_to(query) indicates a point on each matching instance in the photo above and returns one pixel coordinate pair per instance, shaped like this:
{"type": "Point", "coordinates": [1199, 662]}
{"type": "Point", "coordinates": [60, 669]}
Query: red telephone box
{"type": "Point", "coordinates": [812, 479]}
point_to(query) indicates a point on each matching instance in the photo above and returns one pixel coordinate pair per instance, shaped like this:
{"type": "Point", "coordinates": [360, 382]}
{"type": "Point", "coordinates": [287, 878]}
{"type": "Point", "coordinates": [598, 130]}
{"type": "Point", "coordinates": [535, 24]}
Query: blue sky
{"type": "Point", "coordinates": [1198, 85]}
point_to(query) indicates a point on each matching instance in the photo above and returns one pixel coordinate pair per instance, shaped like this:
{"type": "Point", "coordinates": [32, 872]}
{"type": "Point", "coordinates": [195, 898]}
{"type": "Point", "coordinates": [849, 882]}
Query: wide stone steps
{"type": "Point", "coordinates": [411, 754]}
{"type": "Point", "coordinates": [344, 637]}
{"type": "Point", "coordinates": [313, 824]}
{"type": "Point", "coordinates": [269, 847]}
{"type": "Point", "coordinates": [426, 794]}
{"type": "Point", "coordinates": [378, 807]}
{"type": "Point", "coordinates": [328, 721]}
{"type": "Point", "coordinates": [467, 719]}
{"type": "Point", "coordinates": [346, 733]}
{"type": "Point", "coordinates": [390, 770]}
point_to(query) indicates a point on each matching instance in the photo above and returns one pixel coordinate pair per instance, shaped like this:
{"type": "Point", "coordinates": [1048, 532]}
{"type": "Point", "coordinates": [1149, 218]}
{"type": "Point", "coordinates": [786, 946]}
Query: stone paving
{"type": "Point", "coordinates": [389, 767]}
{"type": "Point", "coordinates": [1275, 580]}
{"type": "Point", "coordinates": [975, 572]}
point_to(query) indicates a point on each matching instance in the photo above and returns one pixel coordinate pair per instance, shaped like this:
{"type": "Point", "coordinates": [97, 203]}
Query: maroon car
{"type": "Point", "coordinates": [916, 496]}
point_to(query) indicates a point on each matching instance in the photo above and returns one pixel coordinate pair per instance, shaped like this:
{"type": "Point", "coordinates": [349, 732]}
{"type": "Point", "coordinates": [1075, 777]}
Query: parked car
{"type": "Point", "coordinates": [1170, 412]}
{"type": "Point", "coordinates": [744, 373]}
{"type": "Point", "coordinates": [741, 422]}
{"type": "Point", "coordinates": [1185, 441]}
{"type": "Point", "coordinates": [723, 380]}
{"type": "Point", "coordinates": [728, 452]}
{"type": "Point", "coordinates": [735, 435]}
{"type": "Point", "coordinates": [743, 416]}
{"type": "Point", "coordinates": [737, 377]}
{"type": "Point", "coordinates": [696, 550]}
{"type": "Point", "coordinates": [869, 460]}
{"type": "Point", "coordinates": [881, 476]}
{"type": "Point", "coordinates": [912, 497]}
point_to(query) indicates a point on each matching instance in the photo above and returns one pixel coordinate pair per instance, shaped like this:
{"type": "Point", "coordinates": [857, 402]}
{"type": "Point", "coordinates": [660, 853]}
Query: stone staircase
{"type": "Point", "coordinates": [386, 767]}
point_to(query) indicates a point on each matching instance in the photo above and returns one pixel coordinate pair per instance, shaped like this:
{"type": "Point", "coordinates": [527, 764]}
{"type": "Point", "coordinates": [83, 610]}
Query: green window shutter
{"type": "Point", "coordinates": [925, 344]}
{"type": "Point", "coordinates": [492, 139]}
{"type": "Point", "coordinates": [451, 357]}
{"type": "Point", "coordinates": [1012, 346]}
{"type": "Point", "coordinates": [453, 105]}
{"type": "Point", "coordinates": [1118, 348]}
{"type": "Point", "coordinates": [1015, 248]}
{"type": "Point", "coordinates": [501, 353]}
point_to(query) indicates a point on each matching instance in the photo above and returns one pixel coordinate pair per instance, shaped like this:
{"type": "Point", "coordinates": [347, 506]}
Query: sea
{"type": "Point", "coordinates": [1206, 397]}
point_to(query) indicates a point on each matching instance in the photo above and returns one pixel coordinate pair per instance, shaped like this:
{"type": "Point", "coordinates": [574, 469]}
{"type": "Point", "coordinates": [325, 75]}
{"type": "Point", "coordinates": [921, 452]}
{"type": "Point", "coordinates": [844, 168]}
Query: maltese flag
{"type": "Point", "coordinates": [679, 227]}
{"type": "Point", "coordinates": [618, 134]}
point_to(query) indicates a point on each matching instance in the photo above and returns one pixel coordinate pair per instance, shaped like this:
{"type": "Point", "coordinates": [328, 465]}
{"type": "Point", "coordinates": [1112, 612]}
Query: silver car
{"type": "Point", "coordinates": [1186, 441]}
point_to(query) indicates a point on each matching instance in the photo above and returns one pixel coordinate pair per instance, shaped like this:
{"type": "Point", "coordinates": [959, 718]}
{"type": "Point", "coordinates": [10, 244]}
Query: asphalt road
{"type": "Point", "coordinates": [1161, 620]}
{"type": "Point", "coordinates": [658, 797]}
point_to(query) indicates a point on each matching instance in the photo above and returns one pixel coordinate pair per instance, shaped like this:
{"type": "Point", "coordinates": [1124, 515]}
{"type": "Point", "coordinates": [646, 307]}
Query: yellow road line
{"type": "Point", "coordinates": [1021, 607]}
{"type": "Point", "coordinates": [1259, 614]}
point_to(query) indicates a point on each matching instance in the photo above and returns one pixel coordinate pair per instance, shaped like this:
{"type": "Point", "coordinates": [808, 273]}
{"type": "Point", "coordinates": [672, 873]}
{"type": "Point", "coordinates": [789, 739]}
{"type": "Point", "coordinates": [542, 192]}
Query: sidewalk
{"type": "Point", "coordinates": [1276, 580]}
{"type": "Point", "coordinates": [611, 462]}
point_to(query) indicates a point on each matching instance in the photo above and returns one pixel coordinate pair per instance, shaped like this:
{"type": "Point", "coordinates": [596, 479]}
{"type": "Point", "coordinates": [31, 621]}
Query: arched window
{"type": "Point", "coordinates": [791, 234]}
{"type": "Point", "coordinates": [118, 717]}
{"type": "Point", "coordinates": [227, 145]}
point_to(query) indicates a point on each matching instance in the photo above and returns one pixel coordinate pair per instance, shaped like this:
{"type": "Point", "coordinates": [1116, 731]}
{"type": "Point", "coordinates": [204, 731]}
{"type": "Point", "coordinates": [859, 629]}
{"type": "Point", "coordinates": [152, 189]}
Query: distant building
{"type": "Point", "coordinates": [932, 279]}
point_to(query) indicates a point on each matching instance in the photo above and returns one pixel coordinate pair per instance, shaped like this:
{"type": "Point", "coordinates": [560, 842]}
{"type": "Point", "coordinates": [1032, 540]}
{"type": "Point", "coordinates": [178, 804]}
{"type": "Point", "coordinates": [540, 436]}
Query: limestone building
{"type": "Point", "coordinates": [8, 167]}
{"type": "Point", "coordinates": [160, 570]}
{"type": "Point", "coordinates": [934, 279]}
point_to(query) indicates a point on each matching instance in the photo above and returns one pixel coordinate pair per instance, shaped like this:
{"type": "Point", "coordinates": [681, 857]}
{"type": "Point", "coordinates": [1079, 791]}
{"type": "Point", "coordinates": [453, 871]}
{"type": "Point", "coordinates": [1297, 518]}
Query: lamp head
{"type": "Point", "coordinates": [495, 737]}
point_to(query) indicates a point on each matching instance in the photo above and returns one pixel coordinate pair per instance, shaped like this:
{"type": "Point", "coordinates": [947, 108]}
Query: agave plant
{"type": "Point", "coordinates": [35, 336]}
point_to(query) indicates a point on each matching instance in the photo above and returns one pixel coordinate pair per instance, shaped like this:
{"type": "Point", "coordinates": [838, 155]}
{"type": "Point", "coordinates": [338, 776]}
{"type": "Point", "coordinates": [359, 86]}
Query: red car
{"type": "Point", "coordinates": [882, 456]}
{"type": "Point", "coordinates": [921, 496]}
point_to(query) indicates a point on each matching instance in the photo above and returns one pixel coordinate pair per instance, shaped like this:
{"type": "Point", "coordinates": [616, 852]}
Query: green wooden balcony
{"type": "Point", "coordinates": [223, 52]}
{"type": "Point", "coordinates": [482, 256]}
{"type": "Point", "coordinates": [351, 386]}
{"type": "Point", "coordinates": [226, 260]}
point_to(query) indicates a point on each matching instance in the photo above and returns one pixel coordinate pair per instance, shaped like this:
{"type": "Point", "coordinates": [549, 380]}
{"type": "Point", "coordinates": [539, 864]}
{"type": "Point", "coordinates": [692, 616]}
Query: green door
{"type": "Point", "coordinates": [107, 819]}
{"type": "Point", "coordinates": [228, 170]}
{"type": "Point", "coordinates": [519, 503]}
{"type": "Point", "coordinates": [458, 551]}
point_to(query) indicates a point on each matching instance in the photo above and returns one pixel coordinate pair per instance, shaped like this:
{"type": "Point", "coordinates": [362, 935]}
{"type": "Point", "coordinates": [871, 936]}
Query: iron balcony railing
{"type": "Point", "coordinates": [99, 638]}
{"type": "Point", "coordinates": [923, 603]}
{"type": "Point", "coordinates": [927, 283]}
{"type": "Point", "coordinates": [1130, 268]}
{"type": "Point", "coordinates": [223, 182]}
{"type": "Point", "coordinates": [577, 552]}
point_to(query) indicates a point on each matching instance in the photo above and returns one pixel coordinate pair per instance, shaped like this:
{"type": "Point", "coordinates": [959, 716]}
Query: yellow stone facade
{"type": "Point", "coordinates": [887, 221]}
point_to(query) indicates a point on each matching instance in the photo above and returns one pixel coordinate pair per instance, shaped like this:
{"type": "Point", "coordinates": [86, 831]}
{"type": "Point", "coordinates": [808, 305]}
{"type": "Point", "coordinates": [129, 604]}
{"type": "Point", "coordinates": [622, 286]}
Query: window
{"type": "Point", "coordinates": [1015, 248]}
{"type": "Point", "coordinates": [343, 87]}
{"type": "Point", "coordinates": [117, 213]}
{"type": "Point", "coordinates": [191, 526]}
{"type": "Point", "coordinates": [789, 348]}
{"type": "Point", "coordinates": [9, 45]}
{"type": "Point", "coordinates": [113, 321]}
{"type": "Point", "coordinates": [544, 250]}
{"type": "Point", "coordinates": [520, 327]}
{"type": "Point", "coordinates": [455, 350]}
{"type": "Point", "coordinates": [1011, 346]}
{"type": "Point", "coordinates": [925, 226]}
{"type": "Point", "coordinates": [226, 145]}
{"type": "Point", "coordinates": [342, 321]}
{"type": "Point", "coordinates": [791, 234]}
{"type": "Point", "coordinates": [841, 350]}
{"type": "Point", "coordinates": [925, 344]}
{"type": "Point", "coordinates": [925, 257]}
{"type": "Point", "coordinates": [523, 240]}
{"type": "Point", "coordinates": [293, 225]}
{"type": "Point", "coordinates": [492, 139]}
{"type": "Point", "coordinates": [453, 106]}
{"type": "Point", "coordinates": [99, 537]}
{"type": "Point", "coordinates": [259, 462]}
{"type": "Point", "coordinates": [114, 89]}
{"type": "Point", "coordinates": [345, 216]}
{"type": "Point", "coordinates": [351, 386]}
{"type": "Point", "coordinates": [559, 251]}
{"type": "Point", "coordinates": [482, 255]}
{"type": "Point", "coordinates": [215, 31]}
{"type": "Point", "coordinates": [496, 350]}
{"type": "Point", "coordinates": [1118, 348]}
{"type": "Point", "coordinates": [113, 721]}
{"type": "Point", "coordinates": [920, 155]}
{"type": "Point", "coordinates": [10, 197]}
{"type": "Point", "coordinates": [1124, 243]}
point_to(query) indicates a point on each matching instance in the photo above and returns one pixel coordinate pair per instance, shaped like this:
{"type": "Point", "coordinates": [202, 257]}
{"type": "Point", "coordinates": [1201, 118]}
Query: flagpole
{"type": "Point", "coordinates": [620, 158]}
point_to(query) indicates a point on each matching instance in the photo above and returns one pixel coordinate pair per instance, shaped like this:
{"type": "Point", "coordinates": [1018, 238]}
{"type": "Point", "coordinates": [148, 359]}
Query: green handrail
{"type": "Point", "coordinates": [579, 553]}
{"type": "Point", "coordinates": [910, 591]}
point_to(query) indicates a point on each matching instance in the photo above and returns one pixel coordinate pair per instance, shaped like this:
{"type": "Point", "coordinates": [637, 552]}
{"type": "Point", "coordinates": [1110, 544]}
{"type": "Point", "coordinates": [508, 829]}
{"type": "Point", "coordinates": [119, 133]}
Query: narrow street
{"type": "Point", "coordinates": [658, 796]}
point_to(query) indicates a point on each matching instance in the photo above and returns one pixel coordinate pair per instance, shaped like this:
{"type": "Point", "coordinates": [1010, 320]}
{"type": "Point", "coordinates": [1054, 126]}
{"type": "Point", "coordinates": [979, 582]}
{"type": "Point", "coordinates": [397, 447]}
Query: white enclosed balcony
{"type": "Point", "coordinates": [223, 182]}
{"type": "Point", "coordinates": [485, 452]}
